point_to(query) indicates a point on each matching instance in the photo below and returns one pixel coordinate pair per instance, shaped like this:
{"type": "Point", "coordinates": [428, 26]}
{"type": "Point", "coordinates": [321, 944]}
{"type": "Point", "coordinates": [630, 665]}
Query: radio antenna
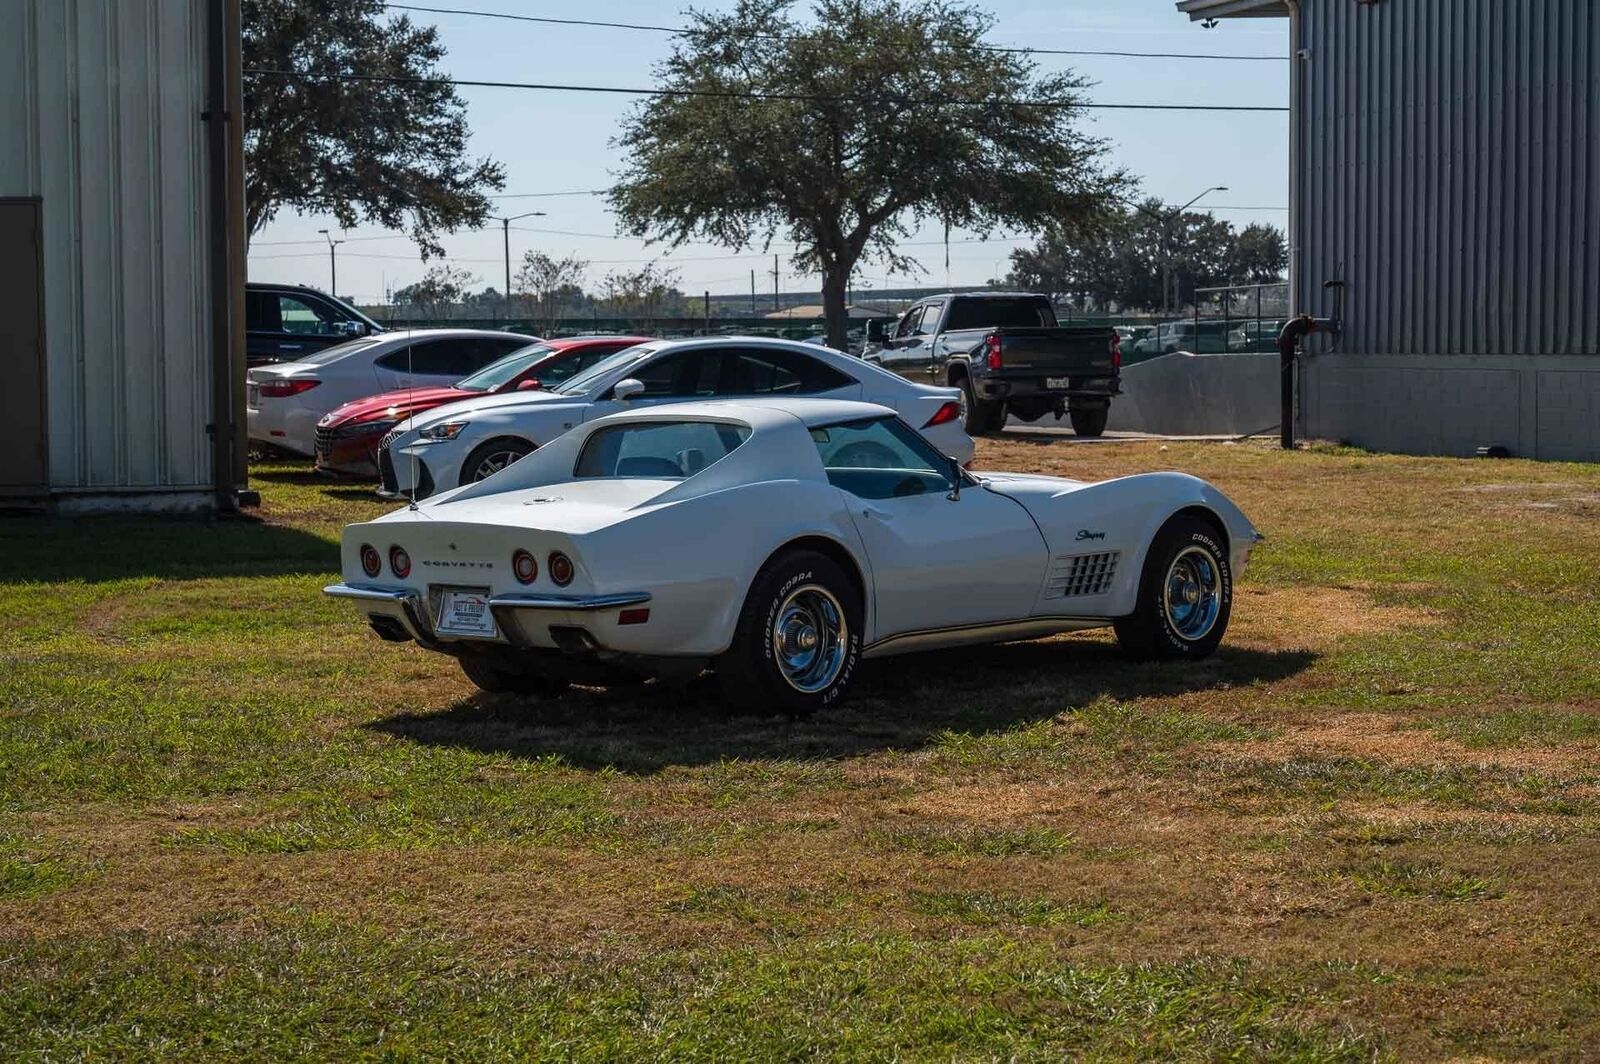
{"type": "Point", "coordinates": [411, 384]}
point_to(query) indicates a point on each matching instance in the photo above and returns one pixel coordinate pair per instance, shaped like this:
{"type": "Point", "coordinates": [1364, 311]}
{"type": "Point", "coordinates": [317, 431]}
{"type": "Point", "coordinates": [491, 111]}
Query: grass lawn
{"type": "Point", "coordinates": [234, 823]}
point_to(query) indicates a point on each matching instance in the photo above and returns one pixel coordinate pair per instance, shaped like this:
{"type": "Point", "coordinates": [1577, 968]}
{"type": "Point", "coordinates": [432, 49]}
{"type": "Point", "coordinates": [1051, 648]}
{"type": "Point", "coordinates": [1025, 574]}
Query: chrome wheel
{"type": "Point", "coordinates": [1192, 596]}
{"type": "Point", "coordinates": [493, 463]}
{"type": "Point", "coordinates": [809, 638]}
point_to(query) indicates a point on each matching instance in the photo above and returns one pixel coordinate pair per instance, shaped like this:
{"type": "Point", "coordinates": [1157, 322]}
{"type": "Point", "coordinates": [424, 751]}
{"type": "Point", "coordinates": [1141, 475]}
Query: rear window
{"type": "Point", "coordinates": [668, 450]}
{"type": "Point", "coordinates": [989, 313]}
{"type": "Point", "coordinates": [338, 351]}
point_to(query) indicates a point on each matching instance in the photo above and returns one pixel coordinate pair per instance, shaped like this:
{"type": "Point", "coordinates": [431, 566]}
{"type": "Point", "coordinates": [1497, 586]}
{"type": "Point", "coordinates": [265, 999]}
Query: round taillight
{"type": "Point", "coordinates": [400, 562]}
{"type": "Point", "coordinates": [559, 566]}
{"type": "Point", "coordinates": [524, 567]}
{"type": "Point", "coordinates": [371, 564]}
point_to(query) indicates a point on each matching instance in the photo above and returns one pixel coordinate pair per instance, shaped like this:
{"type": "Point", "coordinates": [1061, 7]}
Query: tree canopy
{"type": "Point", "coordinates": [875, 116]}
{"type": "Point", "coordinates": [394, 153]}
{"type": "Point", "coordinates": [1147, 256]}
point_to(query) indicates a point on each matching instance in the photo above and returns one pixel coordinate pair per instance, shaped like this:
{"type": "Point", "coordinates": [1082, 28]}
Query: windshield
{"type": "Point", "coordinates": [585, 380]}
{"type": "Point", "coordinates": [338, 351]}
{"type": "Point", "coordinates": [497, 373]}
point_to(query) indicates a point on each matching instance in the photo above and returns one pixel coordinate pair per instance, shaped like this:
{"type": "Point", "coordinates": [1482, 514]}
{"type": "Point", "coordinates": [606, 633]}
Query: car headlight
{"type": "Point", "coordinates": [447, 430]}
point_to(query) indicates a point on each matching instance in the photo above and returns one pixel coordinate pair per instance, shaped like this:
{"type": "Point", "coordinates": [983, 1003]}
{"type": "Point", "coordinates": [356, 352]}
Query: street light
{"type": "Point", "coordinates": [1167, 286]}
{"type": "Point", "coordinates": [505, 228]}
{"type": "Point", "coordinates": [333, 263]}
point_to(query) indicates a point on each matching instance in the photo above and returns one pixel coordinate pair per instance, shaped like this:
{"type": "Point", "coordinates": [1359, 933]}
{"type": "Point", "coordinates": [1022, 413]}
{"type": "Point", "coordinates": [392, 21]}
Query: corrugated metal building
{"type": "Point", "coordinates": [1445, 165]}
{"type": "Point", "coordinates": [117, 257]}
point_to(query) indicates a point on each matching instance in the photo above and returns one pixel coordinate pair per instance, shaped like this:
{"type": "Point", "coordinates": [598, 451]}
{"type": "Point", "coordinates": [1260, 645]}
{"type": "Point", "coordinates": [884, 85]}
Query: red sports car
{"type": "Point", "coordinates": [348, 437]}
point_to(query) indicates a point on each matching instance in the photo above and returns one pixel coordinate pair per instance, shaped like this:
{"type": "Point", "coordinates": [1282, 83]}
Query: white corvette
{"type": "Point", "coordinates": [780, 542]}
{"type": "Point", "coordinates": [467, 441]}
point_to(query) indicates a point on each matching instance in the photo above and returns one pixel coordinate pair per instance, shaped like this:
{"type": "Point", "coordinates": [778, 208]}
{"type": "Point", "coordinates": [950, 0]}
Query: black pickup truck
{"type": "Point", "coordinates": [1008, 355]}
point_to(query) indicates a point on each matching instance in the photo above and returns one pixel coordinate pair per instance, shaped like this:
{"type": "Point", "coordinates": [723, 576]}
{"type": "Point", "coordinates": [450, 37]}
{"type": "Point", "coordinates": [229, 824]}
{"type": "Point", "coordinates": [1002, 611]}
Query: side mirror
{"type": "Point", "coordinates": [530, 385]}
{"type": "Point", "coordinates": [956, 477]}
{"type": "Point", "coordinates": [627, 389]}
{"type": "Point", "coordinates": [876, 331]}
{"type": "Point", "coordinates": [353, 328]}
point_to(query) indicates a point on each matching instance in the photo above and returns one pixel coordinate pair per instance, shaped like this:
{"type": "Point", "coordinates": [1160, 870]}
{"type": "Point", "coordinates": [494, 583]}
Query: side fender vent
{"type": "Point", "coordinates": [1081, 574]}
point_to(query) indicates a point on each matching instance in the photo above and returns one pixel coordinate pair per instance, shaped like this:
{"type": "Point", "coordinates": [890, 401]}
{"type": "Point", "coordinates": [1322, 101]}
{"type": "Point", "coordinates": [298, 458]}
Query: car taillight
{"type": "Point", "coordinates": [559, 566]}
{"type": "Point", "coordinates": [524, 567]}
{"type": "Point", "coordinates": [283, 387]}
{"type": "Point", "coordinates": [399, 562]}
{"type": "Point", "coordinates": [991, 347]}
{"type": "Point", "coordinates": [944, 415]}
{"type": "Point", "coordinates": [1116, 349]}
{"type": "Point", "coordinates": [371, 563]}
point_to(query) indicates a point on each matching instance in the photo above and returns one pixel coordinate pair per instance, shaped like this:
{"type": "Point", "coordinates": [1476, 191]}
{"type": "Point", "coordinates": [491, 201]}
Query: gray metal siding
{"type": "Point", "coordinates": [100, 104]}
{"type": "Point", "coordinates": [1451, 173]}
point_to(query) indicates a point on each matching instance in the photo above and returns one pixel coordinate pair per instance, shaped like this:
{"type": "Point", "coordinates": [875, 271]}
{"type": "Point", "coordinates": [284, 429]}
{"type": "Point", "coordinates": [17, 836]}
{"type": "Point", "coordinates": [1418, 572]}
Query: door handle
{"type": "Point", "coordinates": [867, 511]}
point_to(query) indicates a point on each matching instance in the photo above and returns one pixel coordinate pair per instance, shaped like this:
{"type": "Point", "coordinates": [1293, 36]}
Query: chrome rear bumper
{"type": "Point", "coordinates": [512, 612]}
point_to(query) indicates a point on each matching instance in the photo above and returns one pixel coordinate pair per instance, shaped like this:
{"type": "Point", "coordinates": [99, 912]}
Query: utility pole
{"type": "Point", "coordinates": [753, 310]}
{"type": "Point", "coordinates": [333, 263]}
{"type": "Point", "coordinates": [505, 230]}
{"type": "Point", "coordinates": [775, 283]}
{"type": "Point", "coordinates": [708, 312]}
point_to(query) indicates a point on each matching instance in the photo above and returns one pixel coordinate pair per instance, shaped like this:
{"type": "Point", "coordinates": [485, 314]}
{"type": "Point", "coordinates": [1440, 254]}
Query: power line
{"type": "Point", "coordinates": [678, 31]}
{"type": "Point", "coordinates": [734, 94]}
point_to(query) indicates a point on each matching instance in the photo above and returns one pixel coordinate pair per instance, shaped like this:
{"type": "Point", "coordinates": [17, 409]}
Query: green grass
{"type": "Point", "coordinates": [234, 824]}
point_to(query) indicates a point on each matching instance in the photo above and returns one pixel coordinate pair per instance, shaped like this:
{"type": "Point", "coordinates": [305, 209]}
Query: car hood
{"type": "Point", "coordinates": [394, 406]}
{"type": "Point", "coordinates": [511, 402]}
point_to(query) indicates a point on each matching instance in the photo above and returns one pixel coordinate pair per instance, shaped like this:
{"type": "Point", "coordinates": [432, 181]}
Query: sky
{"type": "Point", "coordinates": [552, 142]}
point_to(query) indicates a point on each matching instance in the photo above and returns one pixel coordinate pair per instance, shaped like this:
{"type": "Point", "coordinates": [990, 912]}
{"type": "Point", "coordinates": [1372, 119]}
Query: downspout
{"type": "Point", "coordinates": [225, 156]}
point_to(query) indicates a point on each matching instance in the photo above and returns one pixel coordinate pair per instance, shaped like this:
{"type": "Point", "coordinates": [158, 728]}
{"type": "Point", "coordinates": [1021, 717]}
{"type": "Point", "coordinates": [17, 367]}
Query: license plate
{"type": "Point", "coordinates": [1054, 383]}
{"type": "Point", "coordinates": [465, 612]}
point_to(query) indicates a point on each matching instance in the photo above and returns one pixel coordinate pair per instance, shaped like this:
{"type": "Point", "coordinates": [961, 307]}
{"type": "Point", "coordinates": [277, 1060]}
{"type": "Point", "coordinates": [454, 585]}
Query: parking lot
{"type": "Point", "coordinates": [230, 819]}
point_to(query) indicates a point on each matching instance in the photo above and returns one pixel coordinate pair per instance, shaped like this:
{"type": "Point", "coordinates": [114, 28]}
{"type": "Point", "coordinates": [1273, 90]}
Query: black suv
{"type": "Point", "coordinates": [286, 322]}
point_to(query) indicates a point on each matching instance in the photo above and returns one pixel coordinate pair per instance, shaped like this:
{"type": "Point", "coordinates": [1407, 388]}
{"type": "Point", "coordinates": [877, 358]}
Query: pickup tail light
{"type": "Point", "coordinates": [945, 414]}
{"type": "Point", "coordinates": [284, 387]}
{"type": "Point", "coordinates": [1116, 350]}
{"type": "Point", "coordinates": [991, 349]}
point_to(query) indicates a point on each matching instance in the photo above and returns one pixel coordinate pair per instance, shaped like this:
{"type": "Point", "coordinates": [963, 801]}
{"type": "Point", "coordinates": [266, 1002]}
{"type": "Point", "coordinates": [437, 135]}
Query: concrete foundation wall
{"type": "Point", "coordinates": [1539, 406]}
{"type": "Point", "coordinates": [1198, 395]}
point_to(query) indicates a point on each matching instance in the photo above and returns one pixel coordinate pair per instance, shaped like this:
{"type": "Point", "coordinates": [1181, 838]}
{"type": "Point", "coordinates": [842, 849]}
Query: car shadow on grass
{"type": "Point", "coordinates": [899, 703]}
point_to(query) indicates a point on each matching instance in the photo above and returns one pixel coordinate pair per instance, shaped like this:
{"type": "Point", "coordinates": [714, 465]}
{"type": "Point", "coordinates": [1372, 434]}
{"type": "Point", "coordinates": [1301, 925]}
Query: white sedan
{"type": "Point", "coordinates": [284, 402]}
{"type": "Point", "coordinates": [475, 438]}
{"type": "Point", "coordinates": [780, 543]}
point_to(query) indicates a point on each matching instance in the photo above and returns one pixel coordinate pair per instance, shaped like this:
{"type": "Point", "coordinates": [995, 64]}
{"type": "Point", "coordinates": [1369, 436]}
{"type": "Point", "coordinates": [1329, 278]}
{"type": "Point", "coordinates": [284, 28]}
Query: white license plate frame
{"type": "Point", "coordinates": [463, 612]}
{"type": "Point", "coordinates": [1057, 383]}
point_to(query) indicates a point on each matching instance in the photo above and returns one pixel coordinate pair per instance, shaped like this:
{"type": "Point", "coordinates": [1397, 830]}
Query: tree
{"type": "Point", "coordinates": [1259, 255]}
{"type": "Point", "coordinates": [646, 292]}
{"type": "Point", "coordinates": [388, 152]}
{"type": "Point", "coordinates": [440, 289]}
{"type": "Point", "coordinates": [1146, 257]}
{"type": "Point", "coordinates": [549, 281]}
{"type": "Point", "coordinates": [875, 116]}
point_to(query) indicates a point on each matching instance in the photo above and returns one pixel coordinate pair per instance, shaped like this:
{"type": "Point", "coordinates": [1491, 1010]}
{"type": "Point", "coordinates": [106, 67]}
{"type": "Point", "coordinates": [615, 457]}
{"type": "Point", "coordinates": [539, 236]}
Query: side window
{"type": "Point", "coordinates": [767, 371]}
{"type": "Point", "coordinates": [930, 319]}
{"type": "Point", "coordinates": [261, 312]}
{"type": "Point", "coordinates": [306, 318]}
{"type": "Point", "coordinates": [434, 358]}
{"type": "Point", "coordinates": [685, 375]}
{"type": "Point", "coordinates": [880, 458]}
{"type": "Point", "coordinates": [571, 367]}
{"type": "Point", "coordinates": [908, 324]}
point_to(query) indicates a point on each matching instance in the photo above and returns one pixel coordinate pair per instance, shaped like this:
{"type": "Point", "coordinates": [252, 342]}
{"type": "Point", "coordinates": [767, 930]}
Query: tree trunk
{"type": "Point", "coordinates": [835, 285]}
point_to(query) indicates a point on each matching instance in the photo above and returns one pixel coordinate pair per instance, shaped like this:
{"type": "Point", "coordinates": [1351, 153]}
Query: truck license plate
{"type": "Point", "coordinates": [1054, 383]}
{"type": "Point", "coordinates": [465, 612]}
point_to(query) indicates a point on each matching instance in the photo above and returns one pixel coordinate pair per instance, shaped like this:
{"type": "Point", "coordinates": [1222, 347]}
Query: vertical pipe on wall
{"type": "Point", "coordinates": [225, 143]}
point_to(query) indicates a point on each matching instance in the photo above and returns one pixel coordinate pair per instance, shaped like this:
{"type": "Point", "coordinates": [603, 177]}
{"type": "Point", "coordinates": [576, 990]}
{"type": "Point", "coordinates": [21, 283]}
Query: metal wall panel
{"type": "Point", "coordinates": [1451, 173]}
{"type": "Point", "coordinates": [100, 104]}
